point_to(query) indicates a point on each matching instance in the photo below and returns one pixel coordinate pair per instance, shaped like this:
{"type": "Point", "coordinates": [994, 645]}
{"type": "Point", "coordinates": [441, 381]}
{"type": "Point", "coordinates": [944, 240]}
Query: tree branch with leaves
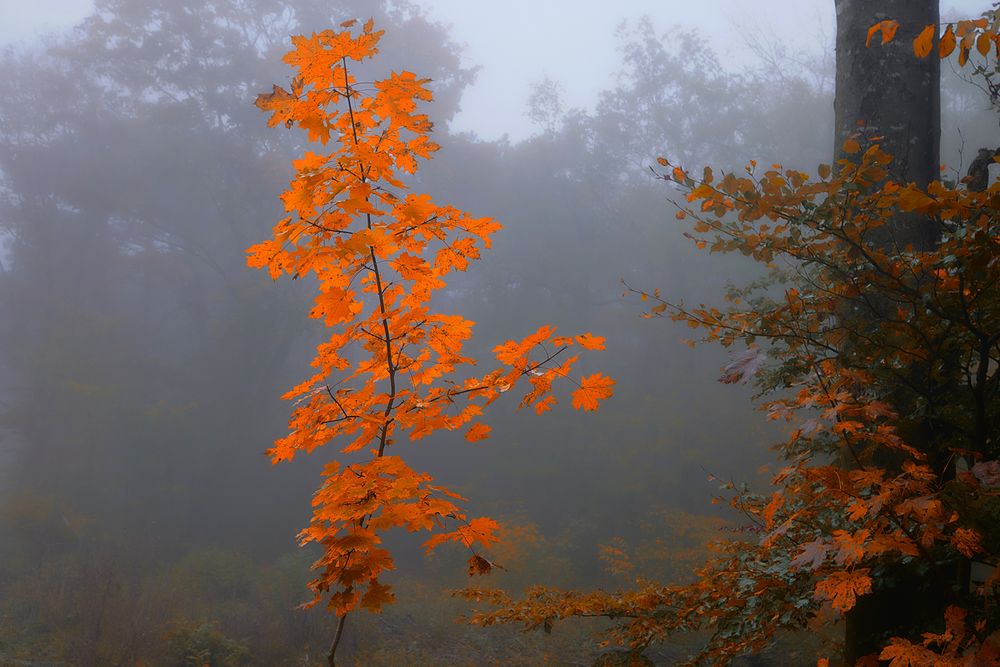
{"type": "Point", "coordinates": [391, 364]}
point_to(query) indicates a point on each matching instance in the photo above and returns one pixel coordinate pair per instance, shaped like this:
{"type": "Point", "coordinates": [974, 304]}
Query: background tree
{"type": "Point", "coordinates": [143, 328]}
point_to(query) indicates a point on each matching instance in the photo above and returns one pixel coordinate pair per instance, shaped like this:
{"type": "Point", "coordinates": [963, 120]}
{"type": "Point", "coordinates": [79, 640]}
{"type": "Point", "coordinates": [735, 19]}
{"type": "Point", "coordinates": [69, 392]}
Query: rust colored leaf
{"type": "Point", "coordinates": [593, 389]}
{"type": "Point", "coordinates": [924, 41]}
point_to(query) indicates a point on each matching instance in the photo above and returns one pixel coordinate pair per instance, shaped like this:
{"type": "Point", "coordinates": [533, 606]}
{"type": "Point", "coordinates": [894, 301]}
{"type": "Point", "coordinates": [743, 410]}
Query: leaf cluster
{"type": "Point", "coordinates": [883, 358]}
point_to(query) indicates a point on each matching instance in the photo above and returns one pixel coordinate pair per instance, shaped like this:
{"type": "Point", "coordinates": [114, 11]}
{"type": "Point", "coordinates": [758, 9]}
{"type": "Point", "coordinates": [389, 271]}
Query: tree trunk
{"type": "Point", "coordinates": [886, 94]}
{"type": "Point", "coordinates": [886, 91]}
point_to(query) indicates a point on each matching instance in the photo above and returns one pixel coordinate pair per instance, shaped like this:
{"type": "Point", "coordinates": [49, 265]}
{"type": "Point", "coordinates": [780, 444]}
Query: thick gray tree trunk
{"type": "Point", "coordinates": [887, 92]}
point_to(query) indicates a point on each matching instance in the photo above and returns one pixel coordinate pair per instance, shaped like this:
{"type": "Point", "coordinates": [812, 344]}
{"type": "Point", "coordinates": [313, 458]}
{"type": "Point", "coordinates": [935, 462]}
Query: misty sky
{"type": "Point", "coordinates": [517, 42]}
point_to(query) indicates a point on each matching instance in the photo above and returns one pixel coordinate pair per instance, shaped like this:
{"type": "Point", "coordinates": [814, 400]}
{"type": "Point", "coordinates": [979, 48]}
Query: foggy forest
{"type": "Point", "coordinates": [298, 369]}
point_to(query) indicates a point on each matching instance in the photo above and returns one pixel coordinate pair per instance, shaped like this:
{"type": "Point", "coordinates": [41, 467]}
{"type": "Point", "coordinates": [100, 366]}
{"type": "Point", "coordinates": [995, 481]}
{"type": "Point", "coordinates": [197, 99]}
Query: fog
{"type": "Point", "coordinates": [142, 362]}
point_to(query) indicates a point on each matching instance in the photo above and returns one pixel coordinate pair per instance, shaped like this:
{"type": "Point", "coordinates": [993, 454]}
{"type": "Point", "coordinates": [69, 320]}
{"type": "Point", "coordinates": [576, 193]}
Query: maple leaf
{"type": "Point", "coordinates": [850, 546]}
{"type": "Point", "coordinates": [590, 342]}
{"type": "Point", "coordinates": [342, 601]}
{"type": "Point", "coordinates": [478, 431]}
{"type": "Point", "coordinates": [902, 653]}
{"type": "Point", "coordinates": [278, 102]}
{"type": "Point", "coordinates": [857, 510]}
{"type": "Point", "coordinates": [545, 404]}
{"type": "Point", "coordinates": [843, 588]}
{"type": "Point", "coordinates": [593, 389]}
{"type": "Point", "coordinates": [377, 596]}
{"type": "Point", "coordinates": [480, 529]}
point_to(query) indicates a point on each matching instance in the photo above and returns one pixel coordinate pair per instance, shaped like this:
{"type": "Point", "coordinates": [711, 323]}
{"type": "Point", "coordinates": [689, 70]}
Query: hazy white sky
{"type": "Point", "coordinates": [517, 42]}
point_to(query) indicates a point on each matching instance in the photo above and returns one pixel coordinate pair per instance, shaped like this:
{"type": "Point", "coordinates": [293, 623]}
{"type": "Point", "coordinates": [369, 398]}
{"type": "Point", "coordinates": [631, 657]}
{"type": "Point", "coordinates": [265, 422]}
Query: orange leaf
{"type": "Point", "coordinates": [902, 653]}
{"type": "Point", "coordinates": [947, 43]}
{"type": "Point", "coordinates": [889, 29]}
{"type": "Point", "coordinates": [843, 588]}
{"type": "Point", "coordinates": [377, 596]}
{"type": "Point", "coordinates": [589, 341]}
{"type": "Point", "coordinates": [924, 41]}
{"type": "Point", "coordinates": [478, 431]}
{"type": "Point", "coordinates": [481, 529]}
{"type": "Point", "coordinates": [545, 404]}
{"type": "Point", "coordinates": [593, 389]}
{"type": "Point", "coordinates": [912, 199]}
{"type": "Point", "coordinates": [983, 43]}
{"type": "Point", "coordinates": [871, 33]}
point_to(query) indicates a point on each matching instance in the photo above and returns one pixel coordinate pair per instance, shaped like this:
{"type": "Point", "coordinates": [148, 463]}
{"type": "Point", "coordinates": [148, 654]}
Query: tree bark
{"type": "Point", "coordinates": [885, 91]}
{"type": "Point", "coordinates": [885, 94]}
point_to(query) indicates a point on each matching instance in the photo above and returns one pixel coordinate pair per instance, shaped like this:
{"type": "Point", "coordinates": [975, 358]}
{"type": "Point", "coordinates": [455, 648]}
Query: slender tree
{"type": "Point", "coordinates": [389, 366]}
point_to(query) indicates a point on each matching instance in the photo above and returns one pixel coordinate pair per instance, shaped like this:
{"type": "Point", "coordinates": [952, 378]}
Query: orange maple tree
{"type": "Point", "coordinates": [885, 361]}
{"type": "Point", "coordinates": [391, 364]}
